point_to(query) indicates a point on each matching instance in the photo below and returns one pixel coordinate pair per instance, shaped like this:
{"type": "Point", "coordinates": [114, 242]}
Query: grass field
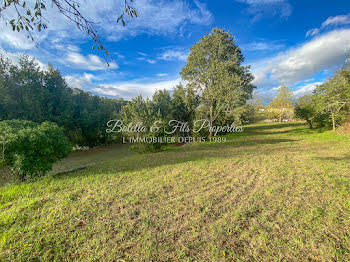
{"type": "Point", "coordinates": [276, 192]}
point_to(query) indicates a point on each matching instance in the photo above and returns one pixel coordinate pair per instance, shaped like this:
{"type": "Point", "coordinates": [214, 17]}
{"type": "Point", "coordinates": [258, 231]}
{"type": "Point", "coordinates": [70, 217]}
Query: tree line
{"type": "Point", "coordinates": [329, 104]}
{"type": "Point", "coordinates": [29, 93]}
{"type": "Point", "coordinates": [218, 87]}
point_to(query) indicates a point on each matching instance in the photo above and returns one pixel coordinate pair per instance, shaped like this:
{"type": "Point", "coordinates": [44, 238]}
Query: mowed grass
{"type": "Point", "coordinates": [276, 192]}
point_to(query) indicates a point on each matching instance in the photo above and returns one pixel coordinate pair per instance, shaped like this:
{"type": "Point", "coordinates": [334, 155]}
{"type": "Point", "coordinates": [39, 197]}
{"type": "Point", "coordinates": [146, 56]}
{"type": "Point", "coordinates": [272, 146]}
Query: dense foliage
{"type": "Point", "coordinates": [214, 69]}
{"type": "Point", "coordinates": [30, 149]}
{"type": "Point", "coordinates": [155, 114]}
{"type": "Point", "coordinates": [28, 93]}
{"type": "Point", "coordinates": [218, 88]}
{"type": "Point", "coordinates": [329, 105]}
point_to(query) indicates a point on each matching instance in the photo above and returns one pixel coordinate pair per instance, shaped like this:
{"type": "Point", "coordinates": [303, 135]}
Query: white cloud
{"type": "Point", "coordinates": [261, 2]}
{"type": "Point", "coordinates": [267, 8]}
{"type": "Point", "coordinates": [73, 48]}
{"type": "Point", "coordinates": [15, 40]}
{"type": "Point", "coordinates": [143, 54]}
{"type": "Point", "coordinates": [156, 17]}
{"type": "Point", "coordinates": [162, 74]}
{"type": "Point", "coordinates": [125, 90]}
{"type": "Point", "coordinates": [83, 82]}
{"type": "Point", "coordinates": [296, 64]}
{"type": "Point", "coordinates": [88, 77]}
{"type": "Point", "coordinates": [200, 15]}
{"type": "Point", "coordinates": [144, 58]}
{"type": "Point", "coordinates": [14, 57]}
{"type": "Point", "coordinates": [173, 55]}
{"type": "Point", "coordinates": [331, 21]}
{"type": "Point", "coordinates": [312, 32]}
{"type": "Point", "coordinates": [129, 90]}
{"type": "Point", "coordinates": [309, 80]}
{"type": "Point", "coordinates": [90, 62]}
{"type": "Point", "coordinates": [337, 20]}
{"type": "Point", "coordinates": [58, 27]}
{"type": "Point", "coordinates": [120, 56]}
{"type": "Point", "coordinates": [261, 46]}
{"type": "Point", "coordinates": [150, 61]}
{"type": "Point", "coordinates": [306, 89]}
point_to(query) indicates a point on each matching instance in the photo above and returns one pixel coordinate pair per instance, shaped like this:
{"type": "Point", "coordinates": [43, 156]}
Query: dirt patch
{"type": "Point", "coordinates": [344, 128]}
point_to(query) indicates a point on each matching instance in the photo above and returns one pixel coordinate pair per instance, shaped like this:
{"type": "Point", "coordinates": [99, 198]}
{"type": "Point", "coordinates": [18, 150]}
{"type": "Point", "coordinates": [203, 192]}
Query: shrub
{"type": "Point", "coordinates": [32, 148]}
{"type": "Point", "coordinates": [8, 134]}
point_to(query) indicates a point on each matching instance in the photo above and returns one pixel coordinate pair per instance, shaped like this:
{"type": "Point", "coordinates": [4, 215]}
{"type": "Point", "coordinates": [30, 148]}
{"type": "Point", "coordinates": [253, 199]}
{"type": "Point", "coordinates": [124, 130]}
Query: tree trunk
{"type": "Point", "coordinates": [309, 123]}
{"type": "Point", "coordinates": [281, 115]}
{"type": "Point", "coordinates": [333, 121]}
{"type": "Point", "coordinates": [211, 120]}
{"type": "Point", "coordinates": [3, 154]}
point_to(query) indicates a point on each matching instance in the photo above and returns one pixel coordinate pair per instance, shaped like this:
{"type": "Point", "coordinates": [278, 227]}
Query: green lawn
{"type": "Point", "coordinates": [276, 192]}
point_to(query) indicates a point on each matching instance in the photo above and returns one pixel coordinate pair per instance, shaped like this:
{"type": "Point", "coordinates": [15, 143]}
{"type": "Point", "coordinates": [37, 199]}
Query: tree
{"type": "Point", "coordinates": [161, 104]}
{"type": "Point", "coordinates": [333, 96]}
{"type": "Point", "coordinates": [305, 109]}
{"type": "Point", "coordinates": [144, 113]}
{"type": "Point", "coordinates": [8, 134]}
{"type": "Point", "coordinates": [214, 69]}
{"type": "Point", "coordinates": [29, 17]}
{"type": "Point", "coordinates": [179, 108]}
{"type": "Point", "coordinates": [5, 66]}
{"type": "Point", "coordinates": [283, 101]}
{"type": "Point", "coordinates": [31, 149]}
{"type": "Point", "coordinates": [184, 104]}
{"type": "Point", "coordinates": [28, 93]}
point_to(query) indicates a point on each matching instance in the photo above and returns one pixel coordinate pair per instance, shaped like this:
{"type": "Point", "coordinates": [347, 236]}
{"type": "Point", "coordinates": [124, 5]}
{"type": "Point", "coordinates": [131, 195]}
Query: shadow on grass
{"type": "Point", "coordinates": [133, 161]}
{"type": "Point", "coordinates": [276, 126]}
{"type": "Point", "coordinates": [70, 171]}
{"type": "Point", "coordinates": [119, 158]}
{"type": "Point", "coordinates": [329, 158]}
{"type": "Point", "coordinates": [274, 129]}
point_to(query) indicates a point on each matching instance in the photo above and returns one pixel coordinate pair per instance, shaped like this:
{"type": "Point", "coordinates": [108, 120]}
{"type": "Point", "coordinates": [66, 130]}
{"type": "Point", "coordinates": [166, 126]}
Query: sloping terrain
{"type": "Point", "coordinates": [276, 192]}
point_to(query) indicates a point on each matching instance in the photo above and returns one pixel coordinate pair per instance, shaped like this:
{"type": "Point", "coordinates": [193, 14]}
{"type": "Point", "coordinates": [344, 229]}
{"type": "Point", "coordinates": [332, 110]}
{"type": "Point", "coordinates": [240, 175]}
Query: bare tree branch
{"type": "Point", "coordinates": [32, 19]}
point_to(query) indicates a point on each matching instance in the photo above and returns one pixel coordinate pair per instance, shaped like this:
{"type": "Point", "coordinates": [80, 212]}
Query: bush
{"type": "Point", "coordinates": [31, 148]}
{"type": "Point", "coordinates": [144, 147]}
{"type": "Point", "coordinates": [8, 134]}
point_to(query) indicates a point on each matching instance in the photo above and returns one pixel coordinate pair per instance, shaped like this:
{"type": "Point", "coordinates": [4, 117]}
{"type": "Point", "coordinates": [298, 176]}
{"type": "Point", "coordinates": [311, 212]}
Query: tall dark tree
{"type": "Point", "coordinates": [214, 68]}
{"type": "Point", "coordinates": [184, 104]}
{"type": "Point", "coordinates": [161, 104]}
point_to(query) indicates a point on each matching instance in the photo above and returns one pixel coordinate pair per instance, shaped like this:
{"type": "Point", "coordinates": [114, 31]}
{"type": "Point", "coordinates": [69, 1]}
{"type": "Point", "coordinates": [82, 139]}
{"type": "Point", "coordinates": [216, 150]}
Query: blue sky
{"type": "Point", "coordinates": [297, 43]}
